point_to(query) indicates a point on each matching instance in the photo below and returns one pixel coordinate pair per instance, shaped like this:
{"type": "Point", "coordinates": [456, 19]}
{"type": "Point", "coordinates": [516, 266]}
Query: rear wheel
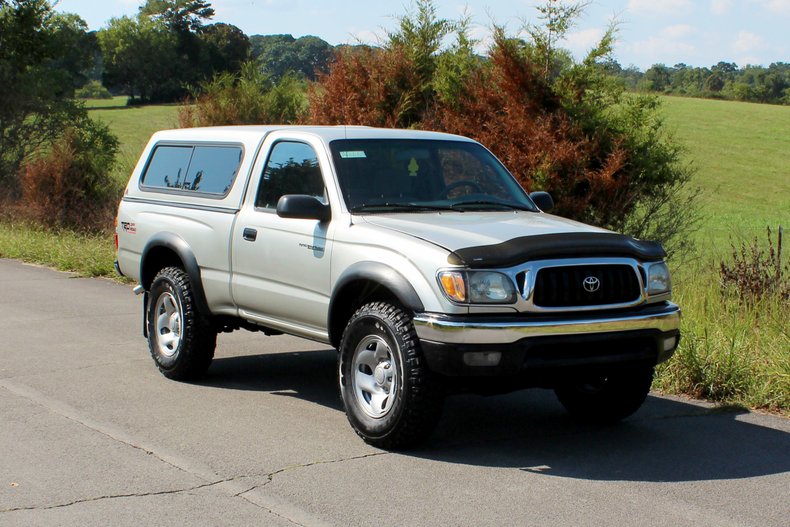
{"type": "Point", "coordinates": [607, 397]}
{"type": "Point", "coordinates": [180, 341]}
{"type": "Point", "coordinates": [391, 399]}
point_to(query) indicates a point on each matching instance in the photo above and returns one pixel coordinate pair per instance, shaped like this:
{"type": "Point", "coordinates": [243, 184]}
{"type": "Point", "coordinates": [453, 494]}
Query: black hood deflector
{"type": "Point", "coordinates": [563, 245]}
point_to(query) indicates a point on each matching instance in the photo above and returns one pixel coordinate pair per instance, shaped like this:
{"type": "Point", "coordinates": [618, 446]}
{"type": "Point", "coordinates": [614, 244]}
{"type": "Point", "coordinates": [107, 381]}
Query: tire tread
{"type": "Point", "coordinates": [199, 338]}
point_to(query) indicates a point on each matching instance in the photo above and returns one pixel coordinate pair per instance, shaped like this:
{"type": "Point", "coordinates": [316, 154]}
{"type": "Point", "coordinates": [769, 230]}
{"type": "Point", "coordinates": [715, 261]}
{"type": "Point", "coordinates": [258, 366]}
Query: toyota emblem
{"type": "Point", "coordinates": [591, 284]}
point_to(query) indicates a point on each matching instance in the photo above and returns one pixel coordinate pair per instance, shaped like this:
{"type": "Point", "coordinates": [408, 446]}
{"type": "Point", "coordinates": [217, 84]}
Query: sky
{"type": "Point", "coordinates": [694, 32]}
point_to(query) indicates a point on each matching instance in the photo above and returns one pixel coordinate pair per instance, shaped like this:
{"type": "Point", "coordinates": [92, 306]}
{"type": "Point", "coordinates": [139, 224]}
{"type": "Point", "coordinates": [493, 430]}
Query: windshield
{"type": "Point", "coordinates": [417, 175]}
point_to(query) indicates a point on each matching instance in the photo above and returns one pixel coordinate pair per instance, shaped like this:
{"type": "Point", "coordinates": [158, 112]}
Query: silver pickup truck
{"type": "Point", "coordinates": [416, 254]}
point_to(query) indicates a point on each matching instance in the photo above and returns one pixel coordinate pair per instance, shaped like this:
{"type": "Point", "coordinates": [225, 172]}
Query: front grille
{"type": "Point", "coordinates": [565, 286]}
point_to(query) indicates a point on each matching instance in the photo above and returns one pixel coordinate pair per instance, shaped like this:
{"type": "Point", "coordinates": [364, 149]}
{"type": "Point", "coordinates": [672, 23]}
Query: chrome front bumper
{"type": "Point", "coordinates": [488, 330]}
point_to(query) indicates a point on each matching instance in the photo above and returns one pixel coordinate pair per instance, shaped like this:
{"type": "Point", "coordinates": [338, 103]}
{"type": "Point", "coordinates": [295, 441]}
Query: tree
{"type": "Point", "coordinates": [55, 162]}
{"type": "Point", "coordinates": [78, 47]}
{"type": "Point", "coordinates": [278, 55]}
{"type": "Point", "coordinates": [39, 68]}
{"type": "Point", "coordinates": [137, 52]}
{"type": "Point", "coordinates": [658, 78]}
{"type": "Point", "coordinates": [312, 56]}
{"type": "Point", "coordinates": [183, 19]}
{"type": "Point", "coordinates": [181, 16]}
{"type": "Point", "coordinates": [557, 19]}
{"type": "Point", "coordinates": [714, 83]}
{"type": "Point", "coordinates": [225, 46]}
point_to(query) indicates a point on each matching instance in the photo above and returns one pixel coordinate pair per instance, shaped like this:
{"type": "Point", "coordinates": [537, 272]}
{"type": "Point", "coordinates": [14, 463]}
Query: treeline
{"type": "Point", "coordinates": [724, 80]}
{"type": "Point", "coordinates": [170, 47]}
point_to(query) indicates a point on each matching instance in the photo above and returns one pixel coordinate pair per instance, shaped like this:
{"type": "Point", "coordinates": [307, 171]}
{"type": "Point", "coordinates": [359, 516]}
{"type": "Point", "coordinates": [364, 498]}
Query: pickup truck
{"type": "Point", "coordinates": [415, 254]}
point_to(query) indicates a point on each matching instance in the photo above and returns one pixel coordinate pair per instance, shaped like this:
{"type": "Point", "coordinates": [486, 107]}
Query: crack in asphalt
{"type": "Point", "coordinates": [178, 462]}
{"type": "Point", "coordinates": [270, 476]}
{"type": "Point", "coordinates": [114, 496]}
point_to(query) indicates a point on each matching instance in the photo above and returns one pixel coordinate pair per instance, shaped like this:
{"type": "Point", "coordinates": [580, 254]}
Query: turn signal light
{"type": "Point", "coordinates": [453, 285]}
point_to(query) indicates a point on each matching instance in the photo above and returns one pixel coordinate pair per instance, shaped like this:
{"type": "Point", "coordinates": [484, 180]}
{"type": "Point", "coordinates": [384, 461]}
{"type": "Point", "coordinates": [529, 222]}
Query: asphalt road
{"type": "Point", "coordinates": [92, 434]}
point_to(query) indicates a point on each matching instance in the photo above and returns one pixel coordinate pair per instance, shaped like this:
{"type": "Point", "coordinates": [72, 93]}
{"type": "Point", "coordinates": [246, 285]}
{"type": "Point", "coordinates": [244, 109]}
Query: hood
{"type": "Point", "coordinates": [455, 230]}
{"type": "Point", "coordinates": [499, 239]}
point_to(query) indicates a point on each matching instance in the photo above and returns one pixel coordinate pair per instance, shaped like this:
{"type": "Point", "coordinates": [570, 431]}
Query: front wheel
{"type": "Point", "coordinates": [391, 399]}
{"type": "Point", "coordinates": [606, 397]}
{"type": "Point", "coordinates": [181, 342]}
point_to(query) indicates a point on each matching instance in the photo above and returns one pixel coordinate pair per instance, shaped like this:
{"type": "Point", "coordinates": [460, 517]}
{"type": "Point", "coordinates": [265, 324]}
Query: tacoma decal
{"type": "Point", "coordinates": [316, 248]}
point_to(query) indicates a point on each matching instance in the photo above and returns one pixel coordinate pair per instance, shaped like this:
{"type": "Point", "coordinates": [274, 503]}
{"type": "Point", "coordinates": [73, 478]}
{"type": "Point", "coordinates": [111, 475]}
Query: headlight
{"type": "Point", "coordinates": [658, 279]}
{"type": "Point", "coordinates": [478, 287]}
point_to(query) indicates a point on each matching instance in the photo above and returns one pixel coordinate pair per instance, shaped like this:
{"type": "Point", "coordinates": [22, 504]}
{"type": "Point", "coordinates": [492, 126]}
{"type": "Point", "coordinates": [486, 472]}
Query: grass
{"type": "Point", "coordinates": [85, 254]}
{"type": "Point", "coordinates": [119, 101]}
{"type": "Point", "coordinates": [133, 125]}
{"type": "Point", "coordinates": [730, 353]}
{"type": "Point", "coordinates": [740, 153]}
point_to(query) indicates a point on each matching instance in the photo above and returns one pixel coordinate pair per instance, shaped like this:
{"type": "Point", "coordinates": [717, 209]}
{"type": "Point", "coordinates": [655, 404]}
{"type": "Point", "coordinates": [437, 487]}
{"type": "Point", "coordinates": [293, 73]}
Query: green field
{"type": "Point", "coordinates": [133, 125]}
{"type": "Point", "coordinates": [729, 352]}
{"type": "Point", "coordinates": [741, 152]}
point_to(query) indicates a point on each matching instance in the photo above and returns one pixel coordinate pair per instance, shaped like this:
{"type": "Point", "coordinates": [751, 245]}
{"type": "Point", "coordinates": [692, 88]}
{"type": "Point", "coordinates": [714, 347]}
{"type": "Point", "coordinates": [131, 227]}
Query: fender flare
{"type": "Point", "coordinates": [382, 274]}
{"type": "Point", "coordinates": [183, 251]}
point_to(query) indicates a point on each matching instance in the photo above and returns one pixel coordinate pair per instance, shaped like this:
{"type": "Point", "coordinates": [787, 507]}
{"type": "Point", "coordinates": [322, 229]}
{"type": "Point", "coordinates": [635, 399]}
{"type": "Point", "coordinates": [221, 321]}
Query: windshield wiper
{"type": "Point", "coordinates": [489, 203]}
{"type": "Point", "coordinates": [400, 207]}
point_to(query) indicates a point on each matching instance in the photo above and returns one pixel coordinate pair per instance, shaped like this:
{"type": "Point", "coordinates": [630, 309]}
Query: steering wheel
{"type": "Point", "coordinates": [462, 183]}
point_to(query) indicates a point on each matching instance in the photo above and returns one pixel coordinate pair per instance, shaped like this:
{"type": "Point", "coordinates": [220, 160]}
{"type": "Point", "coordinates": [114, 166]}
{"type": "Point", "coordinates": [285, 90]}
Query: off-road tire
{"type": "Point", "coordinates": [416, 393]}
{"type": "Point", "coordinates": [181, 342]}
{"type": "Point", "coordinates": [609, 397]}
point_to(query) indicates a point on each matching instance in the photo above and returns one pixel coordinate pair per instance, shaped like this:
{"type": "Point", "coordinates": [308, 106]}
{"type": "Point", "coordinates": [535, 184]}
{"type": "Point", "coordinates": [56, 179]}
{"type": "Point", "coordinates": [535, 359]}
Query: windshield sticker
{"type": "Point", "coordinates": [353, 154]}
{"type": "Point", "coordinates": [413, 167]}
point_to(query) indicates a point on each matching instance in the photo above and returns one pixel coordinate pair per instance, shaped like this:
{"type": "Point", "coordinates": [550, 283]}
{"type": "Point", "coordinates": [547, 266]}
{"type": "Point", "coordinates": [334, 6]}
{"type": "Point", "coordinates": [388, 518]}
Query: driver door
{"type": "Point", "coordinates": [281, 265]}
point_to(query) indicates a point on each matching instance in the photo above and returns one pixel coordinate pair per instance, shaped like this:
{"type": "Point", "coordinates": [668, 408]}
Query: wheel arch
{"type": "Point", "coordinates": [364, 282]}
{"type": "Point", "coordinates": [170, 250]}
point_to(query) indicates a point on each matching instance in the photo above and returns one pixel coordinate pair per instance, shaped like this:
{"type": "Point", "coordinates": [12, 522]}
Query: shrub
{"type": "Point", "coordinates": [373, 87]}
{"type": "Point", "coordinates": [93, 90]}
{"type": "Point", "coordinates": [249, 97]}
{"type": "Point", "coordinates": [70, 183]}
{"type": "Point", "coordinates": [558, 125]}
{"type": "Point", "coordinates": [756, 272]}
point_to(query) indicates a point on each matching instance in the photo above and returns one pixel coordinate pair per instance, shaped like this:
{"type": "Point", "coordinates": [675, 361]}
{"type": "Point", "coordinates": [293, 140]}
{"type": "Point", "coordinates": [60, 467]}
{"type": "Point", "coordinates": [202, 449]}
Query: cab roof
{"type": "Point", "coordinates": [327, 133]}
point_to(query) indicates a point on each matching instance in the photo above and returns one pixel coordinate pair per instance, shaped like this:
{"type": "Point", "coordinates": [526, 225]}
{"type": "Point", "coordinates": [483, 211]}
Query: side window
{"type": "Point", "coordinates": [203, 169]}
{"type": "Point", "coordinates": [292, 169]}
{"type": "Point", "coordinates": [168, 167]}
{"type": "Point", "coordinates": [213, 169]}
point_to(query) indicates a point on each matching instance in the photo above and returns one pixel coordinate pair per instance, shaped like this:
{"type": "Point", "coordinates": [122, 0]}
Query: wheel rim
{"type": "Point", "coordinates": [374, 376]}
{"type": "Point", "coordinates": [169, 322]}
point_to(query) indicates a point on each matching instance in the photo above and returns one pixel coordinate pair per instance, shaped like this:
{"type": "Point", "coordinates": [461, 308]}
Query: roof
{"type": "Point", "coordinates": [327, 133]}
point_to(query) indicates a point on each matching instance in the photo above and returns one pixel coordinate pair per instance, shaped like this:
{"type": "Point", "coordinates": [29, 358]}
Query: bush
{"type": "Point", "coordinates": [70, 184]}
{"type": "Point", "coordinates": [757, 273]}
{"type": "Point", "coordinates": [730, 352]}
{"type": "Point", "coordinates": [247, 98]}
{"type": "Point", "coordinates": [560, 126]}
{"type": "Point", "coordinates": [93, 90]}
{"type": "Point", "coordinates": [371, 87]}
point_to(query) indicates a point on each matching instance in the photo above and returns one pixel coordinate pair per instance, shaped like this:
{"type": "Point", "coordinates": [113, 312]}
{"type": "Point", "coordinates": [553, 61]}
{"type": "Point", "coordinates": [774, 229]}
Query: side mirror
{"type": "Point", "coordinates": [543, 200]}
{"type": "Point", "coordinates": [303, 207]}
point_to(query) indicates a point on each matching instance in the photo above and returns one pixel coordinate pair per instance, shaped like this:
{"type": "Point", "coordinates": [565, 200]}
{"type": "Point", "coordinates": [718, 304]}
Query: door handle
{"type": "Point", "coordinates": [249, 234]}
